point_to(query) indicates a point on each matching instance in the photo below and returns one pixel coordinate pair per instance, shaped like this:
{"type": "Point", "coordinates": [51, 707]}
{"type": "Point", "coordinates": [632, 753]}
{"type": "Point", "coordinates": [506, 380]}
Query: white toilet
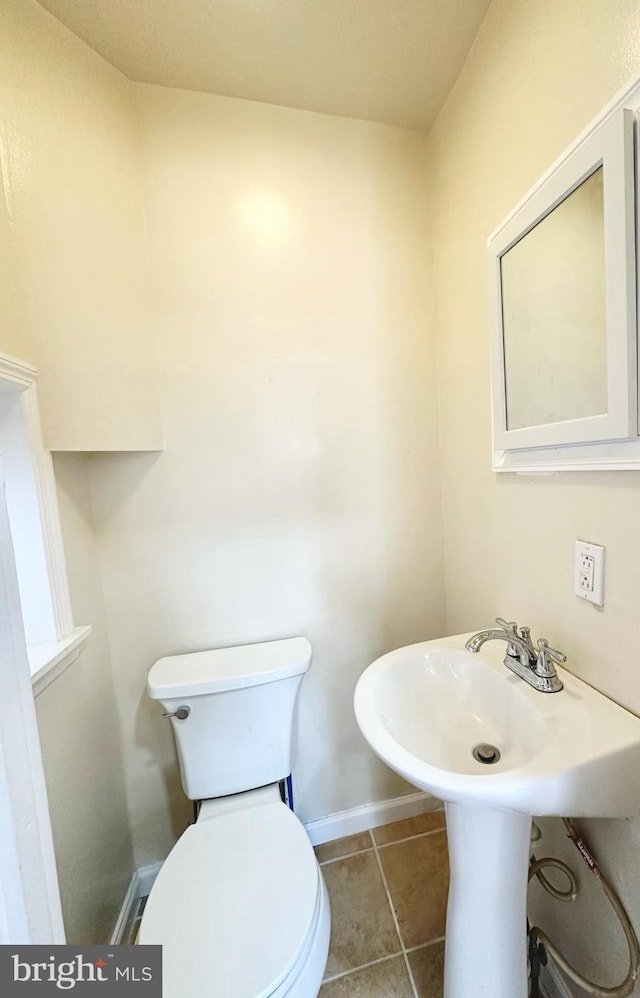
{"type": "Point", "coordinates": [239, 906]}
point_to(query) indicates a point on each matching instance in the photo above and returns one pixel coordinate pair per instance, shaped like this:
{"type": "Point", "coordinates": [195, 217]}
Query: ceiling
{"type": "Point", "coordinates": [392, 61]}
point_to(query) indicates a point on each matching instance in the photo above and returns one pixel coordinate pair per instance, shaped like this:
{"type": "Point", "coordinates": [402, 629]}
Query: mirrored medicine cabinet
{"type": "Point", "coordinates": [563, 266]}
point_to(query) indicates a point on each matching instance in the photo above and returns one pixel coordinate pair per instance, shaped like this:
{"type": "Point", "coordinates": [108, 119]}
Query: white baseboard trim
{"type": "Point", "coordinates": [553, 982]}
{"type": "Point", "coordinates": [139, 886]}
{"type": "Point", "coordinates": [359, 819]}
{"type": "Point", "coordinates": [126, 911]}
{"type": "Point", "coordinates": [146, 876]}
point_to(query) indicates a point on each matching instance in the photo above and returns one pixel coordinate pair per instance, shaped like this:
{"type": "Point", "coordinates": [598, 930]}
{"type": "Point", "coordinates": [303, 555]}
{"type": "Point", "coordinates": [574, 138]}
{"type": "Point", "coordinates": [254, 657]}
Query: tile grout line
{"type": "Point", "coordinates": [381, 959]}
{"type": "Point", "coordinates": [348, 855]}
{"type": "Point", "coordinates": [410, 838]}
{"type": "Point", "coordinates": [432, 942]}
{"type": "Point", "coordinates": [383, 845]}
{"type": "Point", "coordinates": [395, 922]}
{"type": "Point", "coordinates": [364, 966]}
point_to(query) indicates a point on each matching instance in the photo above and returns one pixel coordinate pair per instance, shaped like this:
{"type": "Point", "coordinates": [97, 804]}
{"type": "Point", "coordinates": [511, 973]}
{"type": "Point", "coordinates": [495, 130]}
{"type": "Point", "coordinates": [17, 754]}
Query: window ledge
{"type": "Point", "coordinates": [49, 660]}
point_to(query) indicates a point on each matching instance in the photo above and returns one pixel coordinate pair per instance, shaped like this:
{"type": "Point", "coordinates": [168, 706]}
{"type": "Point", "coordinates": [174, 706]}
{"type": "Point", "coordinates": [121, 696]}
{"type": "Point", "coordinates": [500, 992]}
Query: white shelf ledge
{"type": "Point", "coordinates": [50, 659]}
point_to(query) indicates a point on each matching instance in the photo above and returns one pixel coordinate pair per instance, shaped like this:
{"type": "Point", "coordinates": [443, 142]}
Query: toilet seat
{"type": "Point", "coordinates": [236, 905]}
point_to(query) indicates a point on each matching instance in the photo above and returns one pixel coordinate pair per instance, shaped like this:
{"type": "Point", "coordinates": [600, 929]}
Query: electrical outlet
{"type": "Point", "coordinates": [588, 576]}
{"type": "Point", "coordinates": [586, 572]}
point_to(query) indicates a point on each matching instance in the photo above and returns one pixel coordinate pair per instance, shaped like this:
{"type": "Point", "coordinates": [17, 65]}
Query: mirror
{"type": "Point", "coordinates": [563, 265]}
{"type": "Point", "coordinates": [553, 311]}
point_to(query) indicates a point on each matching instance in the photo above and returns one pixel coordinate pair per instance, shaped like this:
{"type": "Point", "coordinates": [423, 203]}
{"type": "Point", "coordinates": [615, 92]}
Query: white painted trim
{"type": "Point", "coordinates": [25, 516]}
{"type": "Point", "coordinates": [29, 887]}
{"type": "Point", "coordinates": [610, 145]}
{"type": "Point", "coordinates": [50, 517]}
{"type": "Point", "coordinates": [14, 922]}
{"type": "Point", "coordinates": [51, 615]}
{"type": "Point", "coordinates": [623, 455]}
{"type": "Point", "coordinates": [49, 661]}
{"type": "Point", "coordinates": [142, 880]}
{"type": "Point", "coordinates": [146, 877]}
{"type": "Point", "coordinates": [359, 819]}
{"type": "Point", "coordinates": [17, 372]}
{"type": "Point", "coordinates": [612, 456]}
{"type": "Point", "coordinates": [627, 97]}
{"type": "Point", "coordinates": [30, 908]}
{"type": "Point", "coordinates": [126, 910]}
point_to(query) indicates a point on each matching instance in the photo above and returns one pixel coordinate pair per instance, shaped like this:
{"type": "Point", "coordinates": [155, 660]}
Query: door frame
{"type": "Point", "coordinates": [30, 908]}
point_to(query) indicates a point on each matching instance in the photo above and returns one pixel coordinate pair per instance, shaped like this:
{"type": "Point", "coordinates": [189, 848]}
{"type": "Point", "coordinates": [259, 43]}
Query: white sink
{"type": "Point", "coordinates": [423, 709]}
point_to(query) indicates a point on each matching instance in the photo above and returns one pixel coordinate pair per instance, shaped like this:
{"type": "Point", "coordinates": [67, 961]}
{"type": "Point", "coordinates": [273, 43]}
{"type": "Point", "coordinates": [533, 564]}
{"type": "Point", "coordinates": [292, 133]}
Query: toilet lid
{"type": "Point", "coordinates": [233, 904]}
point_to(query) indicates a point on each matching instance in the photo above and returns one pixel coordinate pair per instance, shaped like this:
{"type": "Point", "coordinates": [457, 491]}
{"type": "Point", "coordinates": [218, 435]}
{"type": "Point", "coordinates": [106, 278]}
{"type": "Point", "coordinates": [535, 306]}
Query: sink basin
{"type": "Point", "coordinates": [423, 709]}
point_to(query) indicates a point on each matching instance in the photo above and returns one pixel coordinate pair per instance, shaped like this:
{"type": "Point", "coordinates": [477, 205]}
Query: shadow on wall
{"type": "Point", "coordinates": [125, 473]}
{"type": "Point", "coordinates": [153, 734]}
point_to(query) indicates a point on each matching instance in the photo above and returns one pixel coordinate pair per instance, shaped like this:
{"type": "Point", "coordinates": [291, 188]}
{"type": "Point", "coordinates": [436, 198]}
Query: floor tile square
{"type": "Point", "coordinates": [417, 874]}
{"type": "Point", "coordinates": [427, 967]}
{"type": "Point", "coordinates": [362, 928]}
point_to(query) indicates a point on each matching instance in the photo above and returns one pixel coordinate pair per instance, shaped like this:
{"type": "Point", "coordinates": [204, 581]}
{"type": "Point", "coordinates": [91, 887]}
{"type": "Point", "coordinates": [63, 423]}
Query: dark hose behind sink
{"type": "Point", "coordinates": [486, 753]}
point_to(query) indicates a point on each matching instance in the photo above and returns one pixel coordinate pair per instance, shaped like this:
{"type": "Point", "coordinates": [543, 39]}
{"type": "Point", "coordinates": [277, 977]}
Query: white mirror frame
{"type": "Point", "coordinates": [610, 440]}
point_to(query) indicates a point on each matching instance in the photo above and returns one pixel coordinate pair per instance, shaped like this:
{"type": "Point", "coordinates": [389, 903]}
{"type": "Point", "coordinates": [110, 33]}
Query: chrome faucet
{"type": "Point", "coordinates": [536, 668]}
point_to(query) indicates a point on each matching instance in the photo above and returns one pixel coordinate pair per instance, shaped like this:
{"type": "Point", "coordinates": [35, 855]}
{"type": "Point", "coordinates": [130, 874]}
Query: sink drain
{"type": "Point", "coordinates": [486, 753]}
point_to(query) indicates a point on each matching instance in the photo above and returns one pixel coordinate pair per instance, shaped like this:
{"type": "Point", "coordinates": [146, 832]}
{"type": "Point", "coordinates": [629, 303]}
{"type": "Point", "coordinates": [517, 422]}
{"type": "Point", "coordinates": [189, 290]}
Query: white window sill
{"type": "Point", "coordinates": [49, 660]}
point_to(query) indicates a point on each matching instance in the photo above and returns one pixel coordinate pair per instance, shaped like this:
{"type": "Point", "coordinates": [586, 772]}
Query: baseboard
{"type": "Point", "coordinates": [139, 886]}
{"type": "Point", "coordinates": [553, 982]}
{"type": "Point", "coordinates": [146, 876]}
{"type": "Point", "coordinates": [359, 819]}
{"type": "Point", "coordinates": [126, 911]}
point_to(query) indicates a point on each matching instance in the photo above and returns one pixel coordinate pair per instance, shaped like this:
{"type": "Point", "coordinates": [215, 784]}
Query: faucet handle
{"type": "Point", "coordinates": [546, 656]}
{"type": "Point", "coordinates": [525, 634]}
{"type": "Point", "coordinates": [510, 627]}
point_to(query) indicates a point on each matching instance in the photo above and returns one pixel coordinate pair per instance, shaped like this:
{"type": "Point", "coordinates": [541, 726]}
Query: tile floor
{"type": "Point", "coordinates": [388, 893]}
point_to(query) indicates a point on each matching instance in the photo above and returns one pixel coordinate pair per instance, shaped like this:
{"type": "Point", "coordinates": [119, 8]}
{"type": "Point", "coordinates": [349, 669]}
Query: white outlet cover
{"type": "Point", "coordinates": [595, 594]}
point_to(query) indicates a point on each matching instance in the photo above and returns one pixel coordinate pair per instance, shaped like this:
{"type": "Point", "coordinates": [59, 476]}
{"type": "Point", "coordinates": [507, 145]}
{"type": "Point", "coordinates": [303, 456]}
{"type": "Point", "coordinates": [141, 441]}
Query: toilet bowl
{"type": "Point", "coordinates": [239, 906]}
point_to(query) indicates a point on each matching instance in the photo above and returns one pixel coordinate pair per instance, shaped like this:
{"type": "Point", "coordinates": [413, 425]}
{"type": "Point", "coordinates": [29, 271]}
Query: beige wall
{"type": "Point", "coordinates": [536, 76]}
{"type": "Point", "coordinates": [65, 121]}
{"type": "Point", "coordinates": [81, 743]}
{"type": "Point", "coordinates": [299, 491]}
{"type": "Point", "coordinates": [73, 219]}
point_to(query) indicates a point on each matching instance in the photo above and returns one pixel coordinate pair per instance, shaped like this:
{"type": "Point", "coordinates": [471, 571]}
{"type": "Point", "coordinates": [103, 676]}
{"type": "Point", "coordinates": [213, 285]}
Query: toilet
{"type": "Point", "coordinates": [240, 905]}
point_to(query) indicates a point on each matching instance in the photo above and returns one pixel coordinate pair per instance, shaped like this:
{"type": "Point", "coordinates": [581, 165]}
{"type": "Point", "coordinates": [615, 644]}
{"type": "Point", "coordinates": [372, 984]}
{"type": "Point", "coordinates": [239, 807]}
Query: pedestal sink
{"type": "Point", "coordinates": [424, 709]}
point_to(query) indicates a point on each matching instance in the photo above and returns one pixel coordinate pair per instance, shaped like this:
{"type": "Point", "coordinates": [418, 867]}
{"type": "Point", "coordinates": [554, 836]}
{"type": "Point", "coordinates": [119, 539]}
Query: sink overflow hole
{"type": "Point", "coordinates": [486, 753]}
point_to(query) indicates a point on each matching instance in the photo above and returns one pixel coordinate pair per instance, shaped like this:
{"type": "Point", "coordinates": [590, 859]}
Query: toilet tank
{"type": "Point", "coordinates": [240, 704]}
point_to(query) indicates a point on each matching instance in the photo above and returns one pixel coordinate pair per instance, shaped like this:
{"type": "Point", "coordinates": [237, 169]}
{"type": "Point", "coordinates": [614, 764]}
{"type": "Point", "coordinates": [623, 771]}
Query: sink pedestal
{"type": "Point", "coordinates": [486, 942]}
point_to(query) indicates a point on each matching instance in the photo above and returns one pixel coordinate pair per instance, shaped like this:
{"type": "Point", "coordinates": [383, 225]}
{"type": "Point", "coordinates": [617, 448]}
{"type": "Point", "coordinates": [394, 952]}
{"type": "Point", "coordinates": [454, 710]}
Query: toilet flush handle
{"type": "Point", "coordinates": [181, 713]}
